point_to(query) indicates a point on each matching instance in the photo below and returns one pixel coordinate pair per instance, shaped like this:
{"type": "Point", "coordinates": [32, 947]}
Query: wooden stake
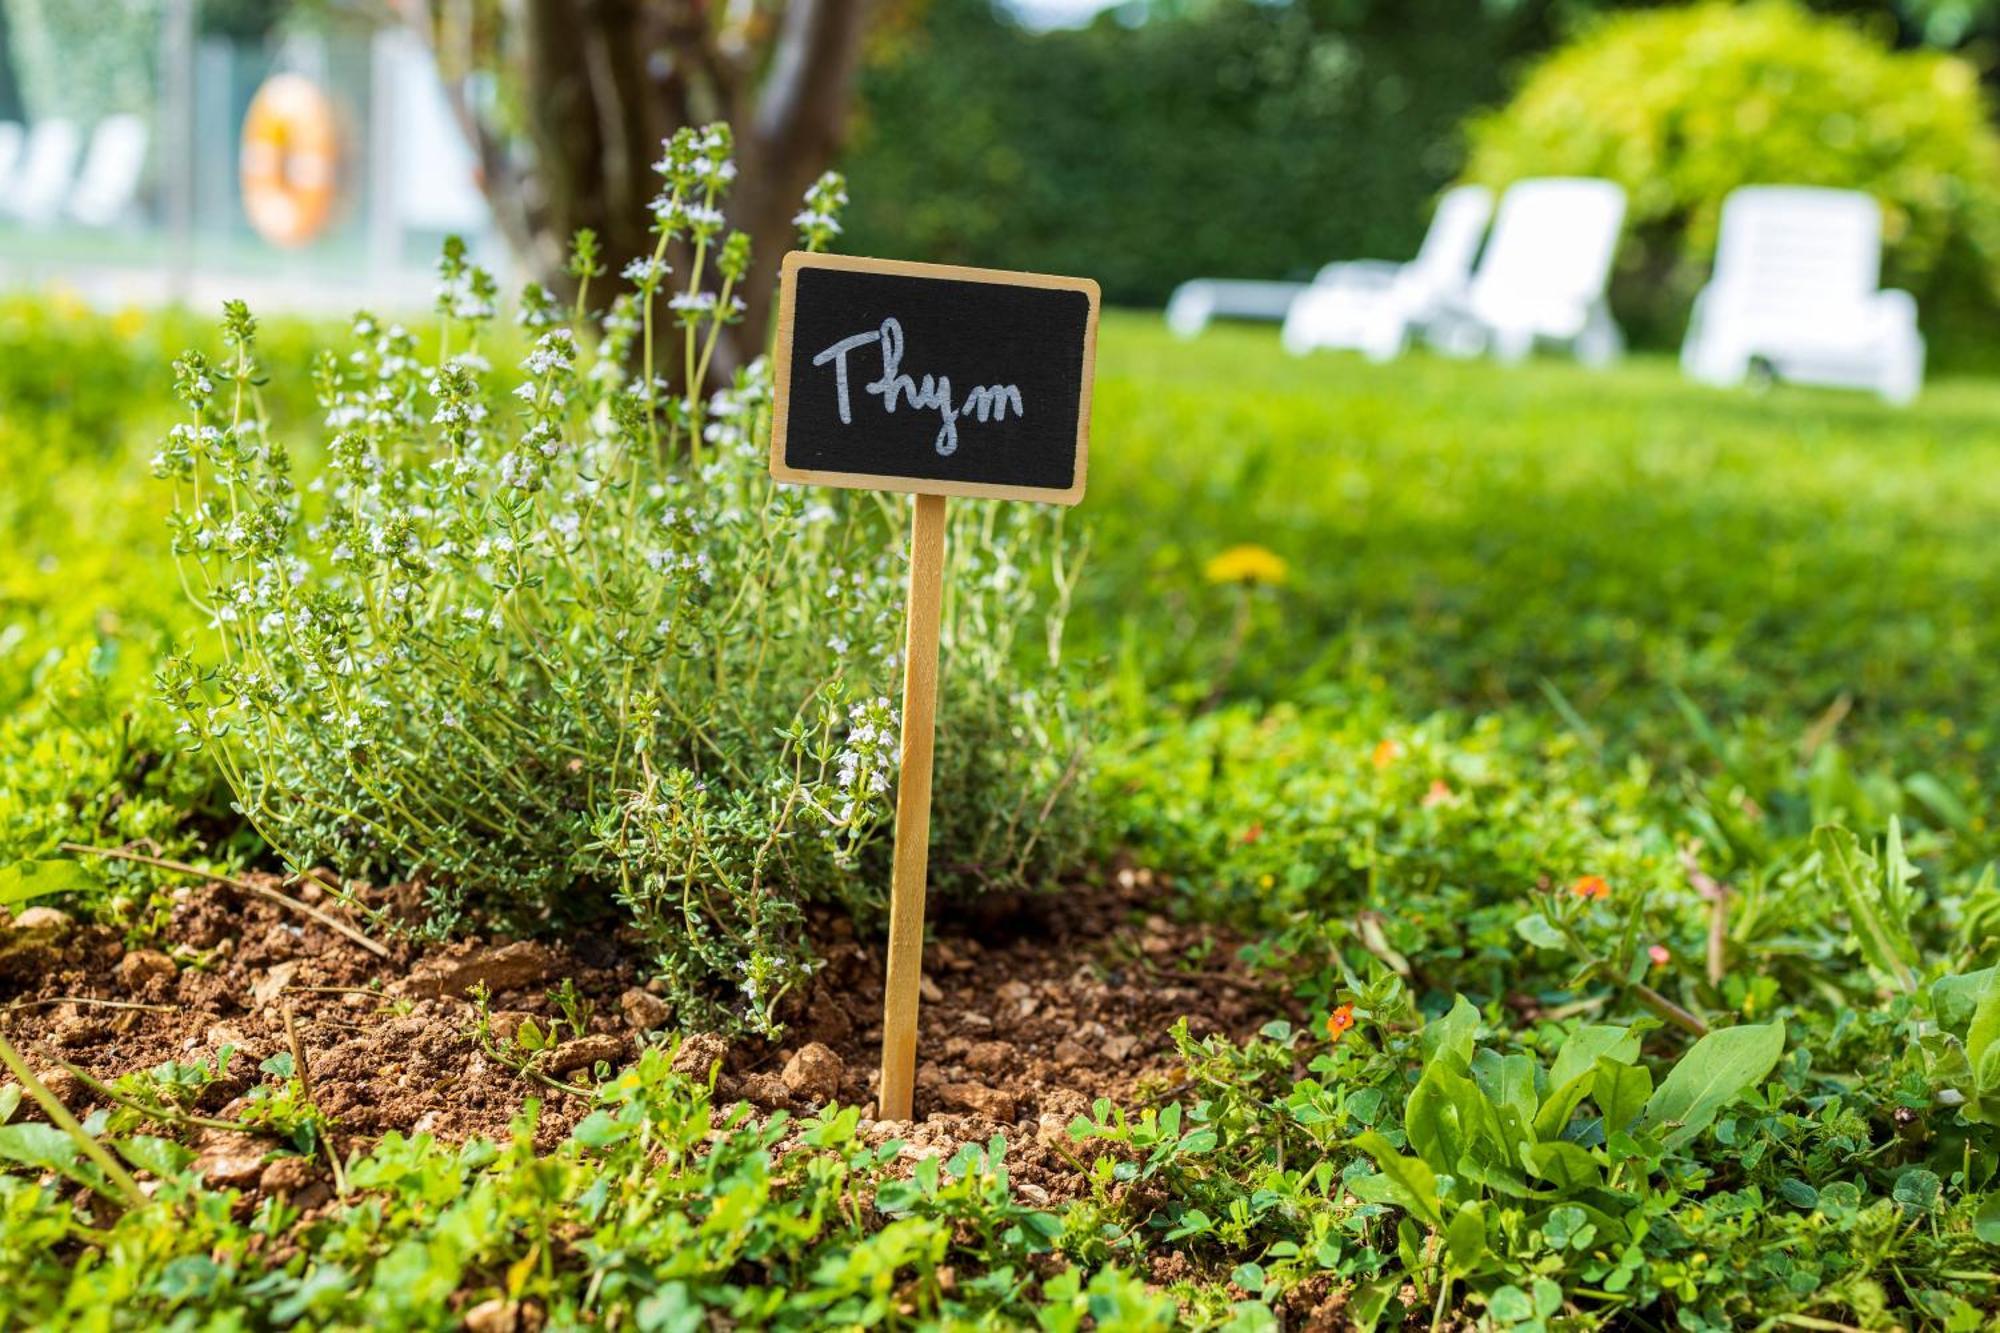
{"type": "Point", "coordinates": [913, 811]}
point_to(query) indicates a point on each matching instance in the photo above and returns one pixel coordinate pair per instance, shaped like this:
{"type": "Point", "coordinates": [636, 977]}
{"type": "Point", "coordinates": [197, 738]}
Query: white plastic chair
{"type": "Point", "coordinates": [1543, 276]}
{"type": "Point", "coordinates": [11, 135]}
{"type": "Point", "coordinates": [38, 189]}
{"type": "Point", "coordinates": [1797, 290]}
{"type": "Point", "coordinates": [1373, 306]}
{"type": "Point", "coordinates": [1197, 301]}
{"type": "Point", "coordinates": [109, 180]}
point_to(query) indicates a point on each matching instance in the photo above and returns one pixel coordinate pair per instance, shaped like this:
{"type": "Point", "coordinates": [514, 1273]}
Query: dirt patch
{"type": "Point", "coordinates": [1033, 1006]}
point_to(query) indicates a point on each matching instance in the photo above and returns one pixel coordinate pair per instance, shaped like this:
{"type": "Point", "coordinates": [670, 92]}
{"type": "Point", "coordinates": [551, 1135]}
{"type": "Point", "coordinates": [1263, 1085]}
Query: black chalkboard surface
{"type": "Point", "coordinates": [934, 379]}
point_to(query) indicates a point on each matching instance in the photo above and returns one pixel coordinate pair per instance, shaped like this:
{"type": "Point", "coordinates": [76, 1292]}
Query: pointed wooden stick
{"type": "Point", "coordinates": [913, 812]}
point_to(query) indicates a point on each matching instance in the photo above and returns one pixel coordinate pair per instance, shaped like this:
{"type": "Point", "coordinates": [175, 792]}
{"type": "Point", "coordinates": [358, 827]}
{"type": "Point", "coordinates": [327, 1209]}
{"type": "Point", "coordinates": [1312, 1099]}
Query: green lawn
{"type": "Point", "coordinates": [1555, 654]}
{"type": "Point", "coordinates": [1466, 531]}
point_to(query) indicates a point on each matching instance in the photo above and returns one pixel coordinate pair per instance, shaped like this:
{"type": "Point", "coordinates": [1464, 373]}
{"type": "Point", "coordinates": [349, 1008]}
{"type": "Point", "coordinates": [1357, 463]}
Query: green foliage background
{"type": "Point", "coordinates": [1682, 106]}
{"type": "Point", "coordinates": [1262, 140]}
{"type": "Point", "coordinates": [1240, 138]}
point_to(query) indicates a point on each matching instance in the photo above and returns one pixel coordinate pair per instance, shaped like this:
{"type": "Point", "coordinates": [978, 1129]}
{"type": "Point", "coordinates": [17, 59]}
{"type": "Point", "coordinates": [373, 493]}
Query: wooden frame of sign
{"type": "Point", "coordinates": [799, 263]}
{"type": "Point", "coordinates": [1014, 425]}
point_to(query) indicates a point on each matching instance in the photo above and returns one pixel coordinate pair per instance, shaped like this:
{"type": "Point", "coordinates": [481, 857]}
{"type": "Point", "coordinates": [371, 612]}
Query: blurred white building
{"type": "Point", "coordinates": [130, 154]}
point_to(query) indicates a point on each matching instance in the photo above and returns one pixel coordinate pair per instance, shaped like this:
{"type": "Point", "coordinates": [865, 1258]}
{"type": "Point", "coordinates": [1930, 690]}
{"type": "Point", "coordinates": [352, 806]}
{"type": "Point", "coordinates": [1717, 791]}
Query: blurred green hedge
{"type": "Point", "coordinates": [1681, 106]}
{"type": "Point", "coordinates": [1225, 138]}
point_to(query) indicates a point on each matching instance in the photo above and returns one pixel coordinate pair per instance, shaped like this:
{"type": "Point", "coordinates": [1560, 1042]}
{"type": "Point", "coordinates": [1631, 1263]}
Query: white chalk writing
{"type": "Point", "coordinates": [989, 402]}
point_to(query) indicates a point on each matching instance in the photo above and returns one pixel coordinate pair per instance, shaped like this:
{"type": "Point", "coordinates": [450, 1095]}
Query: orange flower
{"type": "Point", "coordinates": [1659, 954]}
{"type": "Point", "coordinates": [1254, 833]}
{"type": "Point", "coordinates": [1439, 793]}
{"type": "Point", "coordinates": [1387, 752]}
{"type": "Point", "coordinates": [1590, 886]}
{"type": "Point", "coordinates": [1341, 1020]}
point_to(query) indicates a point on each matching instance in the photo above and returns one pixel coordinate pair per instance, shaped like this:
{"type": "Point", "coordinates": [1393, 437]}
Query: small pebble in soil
{"type": "Point", "coordinates": [813, 1074]}
{"type": "Point", "coordinates": [72, 1026]}
{"type": "Point", "coordinates": [504, 1316]}
{"type": "Point", "coordinates": [42, 921]}
{"type": "Point", "coordinates": [285, 1175]}
{"type": "Point", "coordinates": [142, 970]}
{"type": "Point", "coordinates": [584, 1052]}
{"type": "Point", "coordinates": [700, 1053]}
{"type": "Point", "coordinates": [643, 1010]}
{"type": "Point", "coordinates": [1119, 1048]}
{"type": "Point", "coordinates": [499, 968]}
{"type": "Point", "coordinates": [228, 1160]}
{"type": "Point", "coordinates": [990, 1057]}
{"type": "Point", "coordinates": [979, 1099]}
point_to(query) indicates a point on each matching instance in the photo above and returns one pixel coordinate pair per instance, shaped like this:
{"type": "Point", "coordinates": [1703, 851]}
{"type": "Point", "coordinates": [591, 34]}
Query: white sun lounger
{"type": "Point", "coordinates": [35, 195]}
{"type": "Point", "coordinates": [108, 183]}
{"type": "Point", "coordinates": [1543, 276]}
{"type": "Point", "coordinates": [1797, 291]}
{"type": "Point", "coordinates": [1196, 302]}
{"type": "Point", "coordinates": [11, 136]}
{"type": "Point", "coordinates": [1372, 306]}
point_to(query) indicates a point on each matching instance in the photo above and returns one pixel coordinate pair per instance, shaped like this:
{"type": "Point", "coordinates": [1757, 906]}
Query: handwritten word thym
{"type": "Point", "coordinates": [986, 403]}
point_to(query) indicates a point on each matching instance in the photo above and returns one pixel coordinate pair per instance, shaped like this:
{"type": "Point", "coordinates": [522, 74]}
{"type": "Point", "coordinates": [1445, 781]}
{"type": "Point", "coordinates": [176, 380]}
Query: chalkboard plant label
{"type": "Point", "coordinates": [939, 381]}
{"type": "Point", "coordinates": [933, 379]}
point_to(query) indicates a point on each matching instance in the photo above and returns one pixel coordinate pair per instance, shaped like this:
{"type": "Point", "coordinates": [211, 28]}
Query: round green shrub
{"type": "Point", "coordinates": [1682, 106]}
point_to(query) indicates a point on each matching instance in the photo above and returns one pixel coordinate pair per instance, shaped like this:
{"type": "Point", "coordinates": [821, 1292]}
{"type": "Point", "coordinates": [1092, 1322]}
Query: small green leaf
{"type": "Point", "coordinates": [1581, 1048]}
{"type": "Point", "coordinates": [1918, 1190]}
{"type": "Point", "coordinates": [1939, 800]}
{"type": "Point", "coordinates": [1574, 1075]}
{"type": "Point", "coordinates": [1372, 1300]}
{"type": "Point", "coordinates": [1564, 1165]}
{"type": "Point", "coordinates": [1407, 1181]}
{"type": "Point", "coordinates": [1536, 930]}
{"type": "Point", "coordinates": [1876, 910]}
{"type": "Point", "coordinates": [1621, 1092]}
{"type": "Point", "coordinates": [1511, 1305]}
{"type": "Point", "coordinates": [1956, 999]}
{"type": "Point", "coordinates": [1840, 1202]}
{"type": "Point", "coordinates": [1443, 1115]}
{"type": "Point", "coordinates": [163, 1157]}
{"type": "Point", "coordinates": [600, 1129]}
{"type": "Point", "coordinates": [1454, 1033]}
{"type": "Point", "coordinates": [1982, 1036]}
{"type": "Point", "coordinates": [43, 1147]}
{"type": "Point", "coordinates": [1465, 1238]}
{"type": "Point", "coordinates": [1555, 1112]}
{"type": "Point", "coordinates": [1715, 1071]}
{"type": "Point", "coordinates": [24, 880]}
{"type": "Point", "coordinates": [1508, 1082]}
{"type": "Point", "coordinates": [1568, 1227]}
{"type": "Point", "coordinates": [1986, 1222]}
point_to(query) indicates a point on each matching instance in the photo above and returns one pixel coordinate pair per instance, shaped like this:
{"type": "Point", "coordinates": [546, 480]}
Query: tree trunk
{"type": "Point", "coordinates": [596, 85]}
{"type": "Point", "coordinates": [800, 125]}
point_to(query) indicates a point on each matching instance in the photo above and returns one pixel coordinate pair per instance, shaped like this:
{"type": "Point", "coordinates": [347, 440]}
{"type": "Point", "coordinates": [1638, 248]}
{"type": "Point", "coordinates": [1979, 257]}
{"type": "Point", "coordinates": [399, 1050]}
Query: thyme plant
{"type": "Point", "coordinates": [542, 641]}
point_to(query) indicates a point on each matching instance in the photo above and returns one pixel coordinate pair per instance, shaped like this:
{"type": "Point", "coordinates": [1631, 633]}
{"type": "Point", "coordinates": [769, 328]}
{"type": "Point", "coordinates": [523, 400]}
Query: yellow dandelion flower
{"type": "Point", "coordinates": [1248, 563]}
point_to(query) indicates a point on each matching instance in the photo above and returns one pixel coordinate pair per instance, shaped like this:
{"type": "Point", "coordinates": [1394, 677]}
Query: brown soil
{"type": "Point", "coordinates": [1032, 1008]}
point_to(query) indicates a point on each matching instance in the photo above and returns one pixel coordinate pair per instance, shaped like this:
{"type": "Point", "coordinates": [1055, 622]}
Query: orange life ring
{"type": "Point", "coordinates": [290, 166]}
